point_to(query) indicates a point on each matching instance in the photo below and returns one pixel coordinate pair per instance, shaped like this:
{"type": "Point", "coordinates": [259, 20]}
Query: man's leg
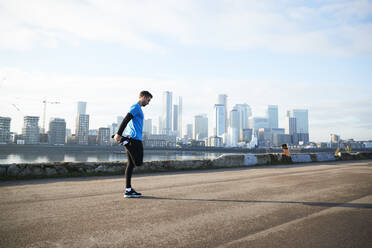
{"type": "Point", "coordinates": [129, 170]}
{"type": "Point", "coordinates": [132, 155]}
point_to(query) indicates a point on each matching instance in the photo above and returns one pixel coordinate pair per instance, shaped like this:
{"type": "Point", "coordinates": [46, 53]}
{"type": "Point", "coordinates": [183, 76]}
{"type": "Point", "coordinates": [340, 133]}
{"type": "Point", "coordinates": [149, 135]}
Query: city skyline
{"type": "Point", "coordinates": [296, 55]}
{"type": "Point", "coordinates": [81, 107]}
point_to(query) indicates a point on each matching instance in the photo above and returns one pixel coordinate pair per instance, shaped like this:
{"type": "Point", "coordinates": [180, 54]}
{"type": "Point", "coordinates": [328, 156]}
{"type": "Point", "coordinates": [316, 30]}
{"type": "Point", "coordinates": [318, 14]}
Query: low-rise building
{"type": "Point", "coordinates": [4, 129]}
{"type": "Point", "coordinates": [159, 140]}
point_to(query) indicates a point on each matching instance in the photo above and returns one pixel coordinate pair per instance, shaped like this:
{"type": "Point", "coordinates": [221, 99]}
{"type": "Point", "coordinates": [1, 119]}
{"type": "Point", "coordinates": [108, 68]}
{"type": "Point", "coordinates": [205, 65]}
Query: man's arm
{"type": "Point", "coordinates": [123, 125]}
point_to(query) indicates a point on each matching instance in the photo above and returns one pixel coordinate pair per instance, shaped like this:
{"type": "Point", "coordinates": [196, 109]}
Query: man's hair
{"type": "Point", "coordinates": [145, 93]}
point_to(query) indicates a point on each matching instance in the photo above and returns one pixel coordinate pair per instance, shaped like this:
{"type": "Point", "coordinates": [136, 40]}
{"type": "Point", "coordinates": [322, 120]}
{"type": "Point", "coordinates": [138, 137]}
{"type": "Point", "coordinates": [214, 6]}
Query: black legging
{"type": "Point", "coordinates": [135, 158]}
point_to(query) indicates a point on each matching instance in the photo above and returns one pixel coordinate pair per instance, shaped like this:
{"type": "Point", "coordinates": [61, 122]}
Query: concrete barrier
{"type": "Point", "coordinates": [363, 155]}
{"type": "Point", "coordinates": [348, 156]}
{"type": "Point", "coordinates": [228, 160]}
{"type": "Point", "coordinates": [320, 157]}
{"type": "Point", "coordinates": [263, 159]}
{"type": "Point", "coordinates": [301, 158]}
{"type": "Point", "coordinates": [65, 169]}
{"type": "Point", "coordinates": [250, 159]}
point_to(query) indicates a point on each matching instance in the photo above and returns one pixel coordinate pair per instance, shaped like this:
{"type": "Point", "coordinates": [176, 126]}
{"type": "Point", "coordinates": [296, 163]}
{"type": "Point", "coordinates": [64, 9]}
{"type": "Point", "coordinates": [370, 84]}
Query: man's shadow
{"type": "Point", "coordinates": [317, 204]}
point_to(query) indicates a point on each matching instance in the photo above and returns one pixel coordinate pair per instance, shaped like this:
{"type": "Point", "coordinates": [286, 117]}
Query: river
{"type": "Point", "coordinates": [93, 156]}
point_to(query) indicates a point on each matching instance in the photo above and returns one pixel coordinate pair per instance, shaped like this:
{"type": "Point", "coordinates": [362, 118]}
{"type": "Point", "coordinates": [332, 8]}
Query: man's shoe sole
{"type": "Point", "coordinates": [132, 196]}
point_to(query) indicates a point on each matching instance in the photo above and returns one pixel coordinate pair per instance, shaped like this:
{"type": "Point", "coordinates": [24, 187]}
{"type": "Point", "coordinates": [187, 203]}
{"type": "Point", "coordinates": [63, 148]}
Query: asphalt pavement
{"type": "Point", "coordinates": [325, 204]}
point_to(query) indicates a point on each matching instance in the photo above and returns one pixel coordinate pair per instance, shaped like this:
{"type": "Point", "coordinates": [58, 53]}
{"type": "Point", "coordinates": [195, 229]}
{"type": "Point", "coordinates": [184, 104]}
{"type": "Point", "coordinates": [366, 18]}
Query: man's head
{"type": "Point", "coordinates": [144, 98]}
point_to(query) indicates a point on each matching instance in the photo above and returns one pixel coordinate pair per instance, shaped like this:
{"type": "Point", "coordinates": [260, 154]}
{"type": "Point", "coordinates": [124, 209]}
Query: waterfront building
{"type": "Point", "coordinates": [92, 139]}
{"type": "Point", "coordinates": [302, 121]}
{"type": "Point", "coordinates": [18, 139]}
{"type": "Point", "coordinates": [277, 130]}
{"type": "Point", "coordinates": [82, 125]}
{"type": "Point", "coordinates": [200, 127]}
{"type": "Point", "coordinates": [246, 135]}
{"type": "Point", "coordinates": [219, 119]}
{"type": "Point", "coordinates": [280, 138]}
{"type": "Point", "coordinates": [147, 126]}
{"type": "Point", "coordinates": [256, 123]}
{"type": "Point", "coordinates": [175, 119]}
{"type": "Point", "coordinates": [167, 112]}
{"type": "Point", "coordinates": [303, 138]}
{"type": "Point", "coordinates": [31, 130]}
{"type": "Point", "coordinates": [335, 138]}
{"type": "Point", "coordinates": [57, 131]}
{"type": "Point", "coordinates": [232, 137]}
{"type": "Point", "coordinates": [93, 132]}
{"type": "Point", "coordinates": [180, 106]}
{"type": "Point", "coordinates": [245, 112]}
{"type": "Point", "coordinates": [5, 129]}
{"type": "Point", "coordinates": [159, 140]}
{"type": "Point", "coordinates": [160, 124]}
{"type": "Point", "coordinates": [103, 137]}
{"type": "Point", "coordinates": [290, 125]}
{"type": "Point", "coordinates": [234, 127]}
{"type": "Point", "coordinates": [215, 141]}
{"type": "Point", "coordinates": [82, 129]}
{"type": "Point", "coordinates": [189, 131]}
{"type": "Point", "coordinates": [266, 135]}
{"type": "Point", "coordinates": [272, 116]}
{"type": "Point", "coordinates": [154, 130]}
{"type": "Point", "coordinates": [322, 145]}
{"type": "Point", "coordinates": [222, 99]}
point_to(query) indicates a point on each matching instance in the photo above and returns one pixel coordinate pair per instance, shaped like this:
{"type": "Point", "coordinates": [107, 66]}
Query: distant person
{"type": "Point", "coordinates": [134, 147]}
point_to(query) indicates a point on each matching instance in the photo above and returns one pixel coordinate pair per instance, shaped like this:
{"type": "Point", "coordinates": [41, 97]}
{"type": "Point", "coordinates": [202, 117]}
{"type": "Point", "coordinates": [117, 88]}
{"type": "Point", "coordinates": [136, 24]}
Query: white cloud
{"type": "Point", "coordinates": [334, 27]}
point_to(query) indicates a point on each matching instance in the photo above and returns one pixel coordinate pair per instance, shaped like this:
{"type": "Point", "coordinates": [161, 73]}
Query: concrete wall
{"type": "Point", "coordinates": [65, 169]}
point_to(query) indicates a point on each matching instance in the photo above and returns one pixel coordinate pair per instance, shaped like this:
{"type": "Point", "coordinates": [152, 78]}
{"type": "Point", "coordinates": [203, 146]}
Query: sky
{"type": "Point", "coordinates": [314, 55]}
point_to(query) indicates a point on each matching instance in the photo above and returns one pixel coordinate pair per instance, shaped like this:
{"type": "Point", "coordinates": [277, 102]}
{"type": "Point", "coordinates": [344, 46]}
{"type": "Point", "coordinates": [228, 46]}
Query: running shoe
{"type": "Point", "coordinates": [132, 194]}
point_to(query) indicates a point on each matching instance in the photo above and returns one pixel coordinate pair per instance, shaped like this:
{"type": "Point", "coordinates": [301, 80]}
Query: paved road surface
{"type": "Point", "coordinates": [307, 205]}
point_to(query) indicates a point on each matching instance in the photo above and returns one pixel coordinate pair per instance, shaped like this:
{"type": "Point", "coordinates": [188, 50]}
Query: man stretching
{"type": "Point", "coordinates": [134, 148]}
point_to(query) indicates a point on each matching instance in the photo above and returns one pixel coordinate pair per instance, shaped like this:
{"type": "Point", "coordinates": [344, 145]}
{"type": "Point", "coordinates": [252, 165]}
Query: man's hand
{"type": "Point", "coordinates": [117, 137]}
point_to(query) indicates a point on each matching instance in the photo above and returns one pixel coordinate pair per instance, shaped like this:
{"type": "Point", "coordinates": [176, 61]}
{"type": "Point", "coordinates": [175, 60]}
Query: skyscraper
{"type": "Point", "coordinates": [82, 129]}
{"type": "Point", "coordinates": [272, 115]}
{"type": "Point", "coordinates": [175, 119]}
{"type": "Point", "coordinates": [234, 127]}
{"type": "Point", "coordinates": [189, 130]}
{"type": "Point", "coordinates": [4, 129]}
{"type": "Point", "coordinates": [247, 135]}
{"type": "Point", "coordinates": [82, 124]}
{"type": "Point", "coordinates": [180, 133]}
{"type": "Point", "coordinates": [219, 120]}
{"type": "Point", "coordinates": [30, 130]}
{"type": "Point", "coordinates": [302, 125]}
{"type": "Point", "coordinates": [290, 125]}
{"type": "Point", "coordinates": [244, 111]}
{"type": "Point", "coordinates": [81, 108]}
{"type": "Point", "coordinates": [57, 131]}
{"type": "Point", "coordinates": [222, 99]}
{"type": "Point", "coordinates": [147, 126]}
{"type": "Point", "coordinates": [257, 122]}
{"type": "Point", "coordinates": [200, 127]}
{"type": "Point", "coordinates": [167, 112]}
{"type": "Point", "coordinates": [161, 125]}
{"type": "Point", "coordinates": [103, 137]}
{"type": "Point", "coordinates": [302, 121]}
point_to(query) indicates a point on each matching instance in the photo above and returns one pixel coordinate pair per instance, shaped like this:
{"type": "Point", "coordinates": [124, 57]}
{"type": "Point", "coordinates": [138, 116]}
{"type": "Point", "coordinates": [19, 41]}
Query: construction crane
{"type": "Point", "coordinates": [44, 114]}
